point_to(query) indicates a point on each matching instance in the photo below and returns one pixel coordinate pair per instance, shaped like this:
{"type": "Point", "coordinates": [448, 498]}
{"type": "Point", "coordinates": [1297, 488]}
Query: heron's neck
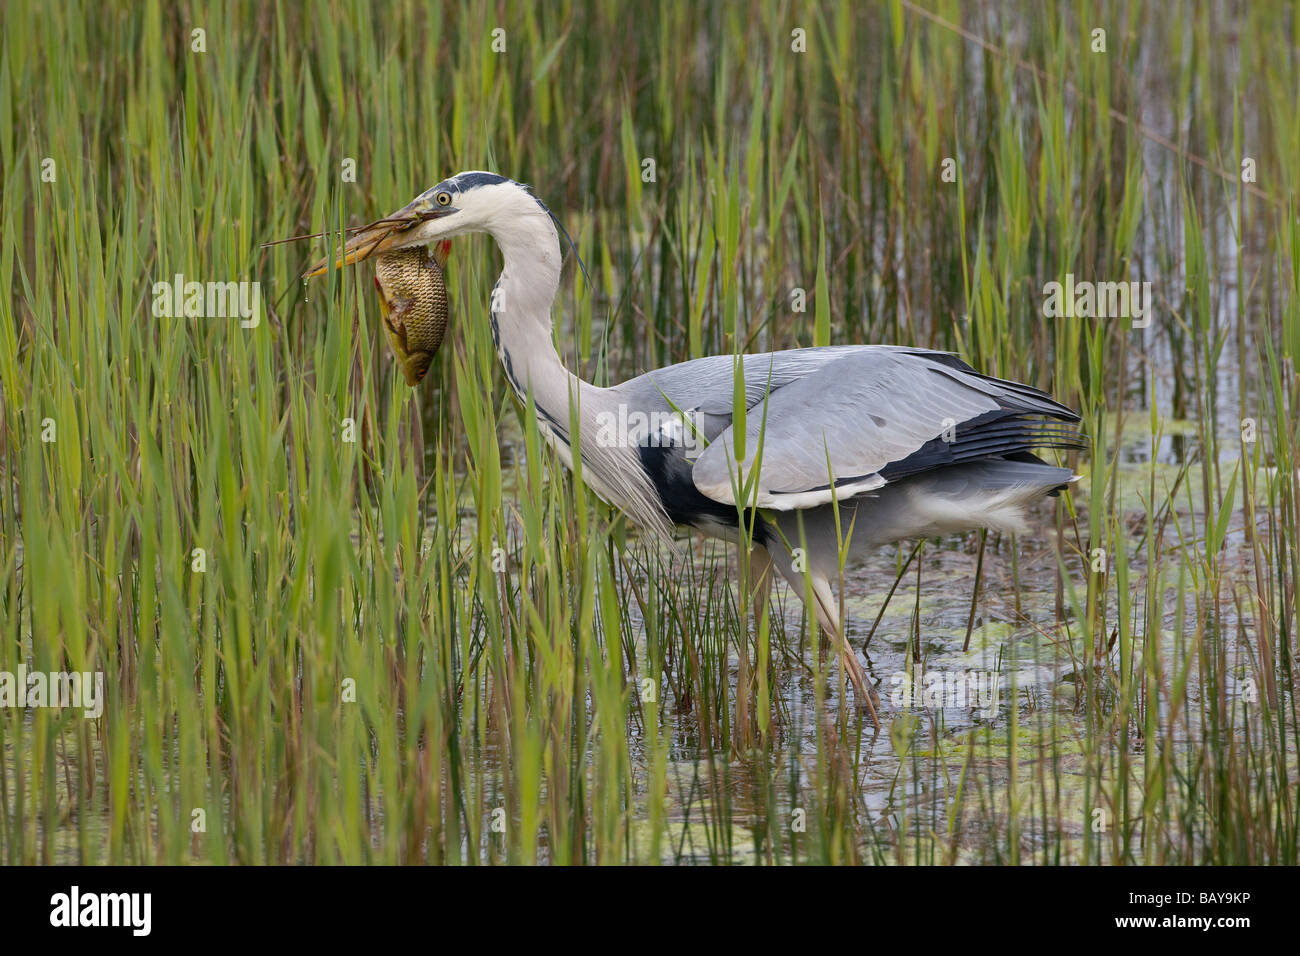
{"type": "Point", "coordinates": [521, 325]}
{"type": "Point", "coordinates": [521, 310]}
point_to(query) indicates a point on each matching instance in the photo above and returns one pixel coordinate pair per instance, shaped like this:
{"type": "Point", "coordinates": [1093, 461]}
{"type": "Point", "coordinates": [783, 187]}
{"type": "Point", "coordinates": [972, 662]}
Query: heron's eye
{"type": "Point", "coordinates": [443, 199]}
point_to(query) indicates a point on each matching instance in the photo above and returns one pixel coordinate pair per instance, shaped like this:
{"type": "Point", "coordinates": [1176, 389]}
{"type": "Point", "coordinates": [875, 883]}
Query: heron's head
{"type": "Point", "coordinates": [467, 202]}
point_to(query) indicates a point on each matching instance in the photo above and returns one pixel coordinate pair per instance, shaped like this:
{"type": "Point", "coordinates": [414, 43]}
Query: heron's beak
{"type": "Point", "coordinates": [383, 234]}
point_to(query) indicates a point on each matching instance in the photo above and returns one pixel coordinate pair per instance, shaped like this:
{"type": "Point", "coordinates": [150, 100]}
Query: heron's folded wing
{"type": "Point", "coordinates": [863, 419]}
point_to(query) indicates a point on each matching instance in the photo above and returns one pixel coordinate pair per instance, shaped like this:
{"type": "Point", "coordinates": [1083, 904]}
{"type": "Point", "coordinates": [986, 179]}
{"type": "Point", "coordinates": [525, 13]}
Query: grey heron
{"type": "Point", "coordinates": [843, 448]}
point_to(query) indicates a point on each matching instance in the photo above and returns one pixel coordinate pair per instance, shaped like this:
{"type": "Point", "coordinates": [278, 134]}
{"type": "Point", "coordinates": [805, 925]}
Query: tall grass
{"type": "Point", "coordinates": [430, 643]}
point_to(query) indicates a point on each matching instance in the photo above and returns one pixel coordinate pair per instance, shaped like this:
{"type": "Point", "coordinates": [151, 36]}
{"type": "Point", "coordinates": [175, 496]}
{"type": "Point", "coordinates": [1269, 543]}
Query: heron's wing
{"type": "Point", "coordinates": [871, 416]}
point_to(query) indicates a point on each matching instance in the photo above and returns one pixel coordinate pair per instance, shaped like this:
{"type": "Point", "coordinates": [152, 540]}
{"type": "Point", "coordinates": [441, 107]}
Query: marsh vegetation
{"type": "Point", "coordinates": [430, 644]}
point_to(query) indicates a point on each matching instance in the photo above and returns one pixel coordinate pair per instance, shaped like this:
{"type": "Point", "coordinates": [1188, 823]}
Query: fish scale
{"type": "Point", "coordinates": [413, 304]}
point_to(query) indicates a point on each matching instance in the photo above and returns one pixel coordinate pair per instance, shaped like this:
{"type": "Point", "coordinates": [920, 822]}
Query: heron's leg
{"type": "Point", "coordinates": [828, 616]}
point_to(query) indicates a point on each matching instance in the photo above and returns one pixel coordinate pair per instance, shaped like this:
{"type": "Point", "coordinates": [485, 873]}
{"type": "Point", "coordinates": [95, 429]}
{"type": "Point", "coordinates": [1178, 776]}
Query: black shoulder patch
{"type": "Point", "coordinates": [671, 475]}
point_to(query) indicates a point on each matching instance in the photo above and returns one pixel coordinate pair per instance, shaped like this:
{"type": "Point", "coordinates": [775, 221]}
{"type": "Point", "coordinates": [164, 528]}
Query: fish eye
{"type": "Point", "coordinates": [443, 199]}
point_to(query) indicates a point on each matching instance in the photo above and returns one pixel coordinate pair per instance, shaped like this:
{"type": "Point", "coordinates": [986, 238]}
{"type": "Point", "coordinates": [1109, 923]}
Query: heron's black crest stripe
{"type": "Point", "coordinates": [474, 180]}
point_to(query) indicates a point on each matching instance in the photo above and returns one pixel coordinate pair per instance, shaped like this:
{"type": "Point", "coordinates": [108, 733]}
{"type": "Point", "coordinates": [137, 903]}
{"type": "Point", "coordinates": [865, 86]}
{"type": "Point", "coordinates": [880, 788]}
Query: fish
{"type": "Point", "coordinates": [413, 305]}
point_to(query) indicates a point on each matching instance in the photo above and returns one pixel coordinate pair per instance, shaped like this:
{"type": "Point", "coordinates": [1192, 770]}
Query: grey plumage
{"type": "Point", "coordinates": [843, 421]}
